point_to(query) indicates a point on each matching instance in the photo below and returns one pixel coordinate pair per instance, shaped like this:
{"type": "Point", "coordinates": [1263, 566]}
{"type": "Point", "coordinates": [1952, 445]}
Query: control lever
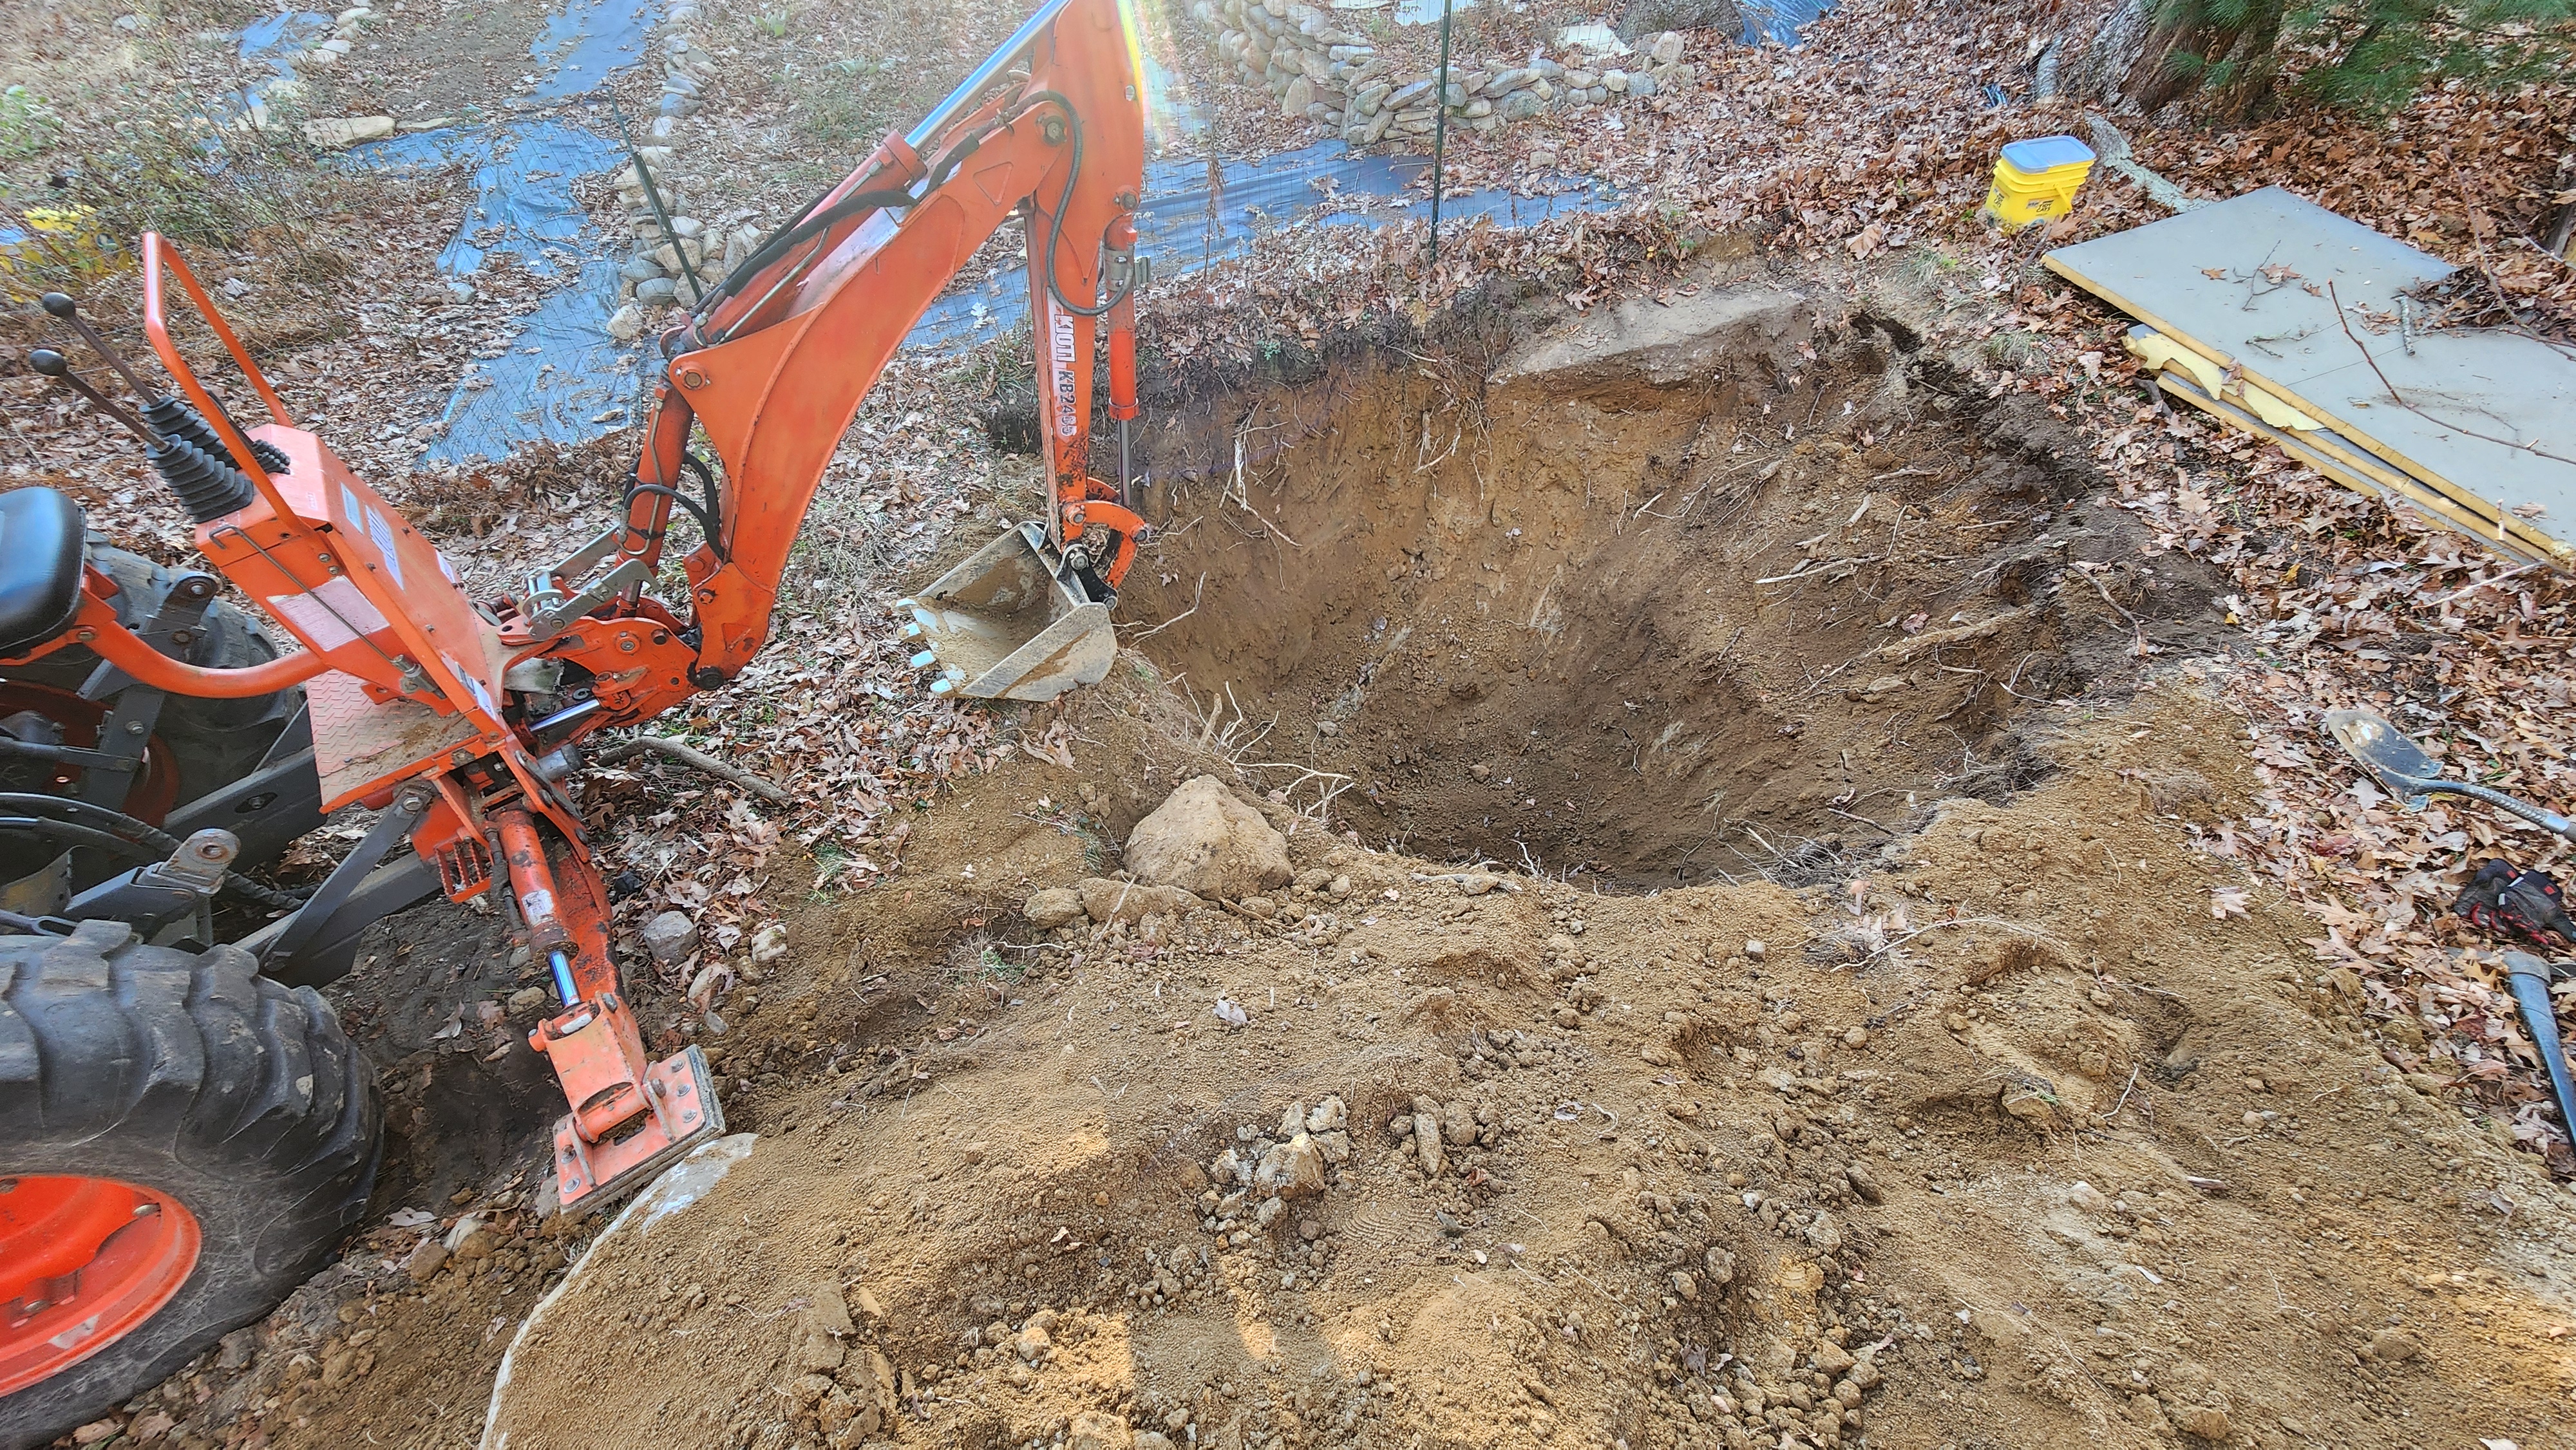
{"type": "Point", "coordinates": [58, 367]}
{"type": "Point", "coordinates": [172, 422]}
{"type": "Point", "coordinates": [64, 308]}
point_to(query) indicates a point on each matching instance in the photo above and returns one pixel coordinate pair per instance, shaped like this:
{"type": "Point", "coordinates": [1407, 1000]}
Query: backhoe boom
{"type": "Point", "coordinates": [774, 363]}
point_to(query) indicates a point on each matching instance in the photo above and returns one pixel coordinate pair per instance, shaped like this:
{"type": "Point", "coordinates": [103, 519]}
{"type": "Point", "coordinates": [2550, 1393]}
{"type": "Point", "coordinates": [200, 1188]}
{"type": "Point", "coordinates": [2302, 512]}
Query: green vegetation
{"type": "Point", "coordinates": [27, 125]}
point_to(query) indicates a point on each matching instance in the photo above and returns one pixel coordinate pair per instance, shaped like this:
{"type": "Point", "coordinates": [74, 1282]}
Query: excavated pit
{"type": "Point", "coordinates": [1679, 593]}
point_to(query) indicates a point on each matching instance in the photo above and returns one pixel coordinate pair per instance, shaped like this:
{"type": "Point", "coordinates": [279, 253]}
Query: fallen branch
{"type": "Point", "coordinates": [2113, 148]}
{"type": "Point", "coordinates": [697, 760]}
{"type": "Point", "coordinates": [2534, 449]}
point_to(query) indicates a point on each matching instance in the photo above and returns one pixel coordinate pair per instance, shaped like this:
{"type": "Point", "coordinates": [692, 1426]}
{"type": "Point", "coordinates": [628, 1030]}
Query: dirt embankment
{"type": "Point", "coordinates": [2015, 1140]}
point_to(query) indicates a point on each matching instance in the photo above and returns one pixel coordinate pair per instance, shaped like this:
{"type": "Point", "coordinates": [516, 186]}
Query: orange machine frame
{"type": "Point", "coordinates": [405, 672]}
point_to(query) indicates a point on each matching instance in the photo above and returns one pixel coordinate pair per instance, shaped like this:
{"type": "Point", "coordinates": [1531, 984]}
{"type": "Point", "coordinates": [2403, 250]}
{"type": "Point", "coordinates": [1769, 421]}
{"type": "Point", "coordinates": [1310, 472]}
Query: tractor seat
{"type": "Point", "coordinates": [41, 534]}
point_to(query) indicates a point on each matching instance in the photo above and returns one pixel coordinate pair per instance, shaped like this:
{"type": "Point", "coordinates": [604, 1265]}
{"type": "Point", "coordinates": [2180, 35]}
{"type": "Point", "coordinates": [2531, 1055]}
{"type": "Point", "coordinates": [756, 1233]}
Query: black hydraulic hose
{"type": "Point", "coordinates": [131, 836]}
{"type": "Point", "coordinates": [1055, 233]}
{"type": "Point", "coordinates": [805, 223]}
{"type": "Point", "coordinates": [706, 520]}
{"type": "Point", "coordinates": [783, 241]}
{"type": "Point", "coordinates": [126, 828]}
{"type": "Point", "coordinates": [706, 482]}
{"type": "Point", "coordinates": [809, 223]}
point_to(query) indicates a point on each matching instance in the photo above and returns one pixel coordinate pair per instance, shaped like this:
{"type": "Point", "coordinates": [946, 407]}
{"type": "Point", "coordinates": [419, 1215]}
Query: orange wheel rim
{"type": "Point", "coordinates": [82, 1262]}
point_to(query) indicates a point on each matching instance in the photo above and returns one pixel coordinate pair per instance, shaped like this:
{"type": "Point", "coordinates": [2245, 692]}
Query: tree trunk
{"type": "Point", "coordinates": [2180, 54]}
{"type": "Point", "coordinates": [2139, 63]}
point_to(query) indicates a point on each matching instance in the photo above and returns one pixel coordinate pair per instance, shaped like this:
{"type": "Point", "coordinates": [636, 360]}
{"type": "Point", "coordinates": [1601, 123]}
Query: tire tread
{"type": "Point", "coordinates": [243, 1094]}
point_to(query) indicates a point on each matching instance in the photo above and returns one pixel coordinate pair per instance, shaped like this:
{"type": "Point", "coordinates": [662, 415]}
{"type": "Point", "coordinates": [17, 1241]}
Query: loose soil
{"type": "Point", "coordinates": [2013, 1141]}
{"type": "Point", "coordinates": [1859, 1047]}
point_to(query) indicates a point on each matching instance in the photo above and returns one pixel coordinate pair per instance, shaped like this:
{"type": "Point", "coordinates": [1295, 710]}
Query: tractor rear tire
{"type": "Point", "coordinates": [194, 1081]}
{"type": "Point", "coordinates": [210, 743]}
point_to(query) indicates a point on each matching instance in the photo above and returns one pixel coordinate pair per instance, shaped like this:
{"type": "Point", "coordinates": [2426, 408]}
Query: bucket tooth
{"type": "Point", "coordinates": [1012, 622]}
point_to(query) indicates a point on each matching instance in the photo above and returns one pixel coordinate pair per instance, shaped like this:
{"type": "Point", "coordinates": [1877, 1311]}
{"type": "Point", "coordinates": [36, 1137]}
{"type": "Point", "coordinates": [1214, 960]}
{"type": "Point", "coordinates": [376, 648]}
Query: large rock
{"type": "Point", "coordinates": [1206, 841]}
{"type": "Point", "coordinates": [1130, 901]}
{"type": "Point", "coordinates": [1052, 908]}
{"type": "Point", "coordinates": [334, 133]}
{"type": "Point", "coordinates": [1294, 1169]}
{"type": "Point", "coordinates": [672, 935]}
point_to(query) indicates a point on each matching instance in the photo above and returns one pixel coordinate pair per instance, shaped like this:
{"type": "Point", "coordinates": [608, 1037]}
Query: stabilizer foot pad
{"type": "Point", "coordinates": [591, 1176]}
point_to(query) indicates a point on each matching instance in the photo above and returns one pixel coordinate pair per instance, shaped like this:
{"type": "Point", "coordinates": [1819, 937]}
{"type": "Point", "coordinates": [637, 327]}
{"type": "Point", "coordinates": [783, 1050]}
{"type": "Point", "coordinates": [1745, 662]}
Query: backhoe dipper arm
{"type": "Point", "coordinates": [777, 360]}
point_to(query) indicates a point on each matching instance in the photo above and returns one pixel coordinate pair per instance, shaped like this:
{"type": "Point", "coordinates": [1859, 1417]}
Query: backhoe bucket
{"type": "Point", "coordinates": [1011, 623]}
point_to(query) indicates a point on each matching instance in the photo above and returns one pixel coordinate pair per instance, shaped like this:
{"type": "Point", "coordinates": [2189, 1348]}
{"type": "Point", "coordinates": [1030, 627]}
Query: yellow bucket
{"type": "Point", "coordinates": [2037, 180]}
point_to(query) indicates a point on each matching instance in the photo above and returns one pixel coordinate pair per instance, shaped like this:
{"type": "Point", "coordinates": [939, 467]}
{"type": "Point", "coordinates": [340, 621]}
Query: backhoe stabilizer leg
{"type": "Point", "coordinates": [630, 1116]}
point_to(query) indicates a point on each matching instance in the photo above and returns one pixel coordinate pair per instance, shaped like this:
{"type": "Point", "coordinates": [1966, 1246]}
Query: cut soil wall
{"type": "Point", "coordinates": [1678, 594]}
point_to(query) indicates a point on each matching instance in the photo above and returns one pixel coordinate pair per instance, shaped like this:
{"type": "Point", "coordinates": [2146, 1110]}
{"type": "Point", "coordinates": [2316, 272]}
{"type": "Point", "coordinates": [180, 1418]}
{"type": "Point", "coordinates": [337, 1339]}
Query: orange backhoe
{"type": "Point", "coordinates": [184, 1129]}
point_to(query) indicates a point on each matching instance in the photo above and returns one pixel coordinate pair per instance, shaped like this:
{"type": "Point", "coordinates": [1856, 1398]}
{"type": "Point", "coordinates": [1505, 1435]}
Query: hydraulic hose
{"type": "Point", "coordinates": [706, 520]}
{"type": "Point", "coordinates": [115, 831]}
{"type": "Point", "coordinates": [1055, 233]}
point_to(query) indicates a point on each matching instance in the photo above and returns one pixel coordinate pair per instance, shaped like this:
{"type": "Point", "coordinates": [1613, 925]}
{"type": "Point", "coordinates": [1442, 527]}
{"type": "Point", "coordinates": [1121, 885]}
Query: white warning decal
{"type": "Point", "coordinates": [383, 534]}
{"type": "Point", "coordinates": [1060, 354]}
{"type": "Point", "coordinates": [330, 616]}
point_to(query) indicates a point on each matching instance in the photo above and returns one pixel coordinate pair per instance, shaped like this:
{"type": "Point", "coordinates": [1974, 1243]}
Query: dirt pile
{"type": "Point", "coordinates": [2015, 1140]}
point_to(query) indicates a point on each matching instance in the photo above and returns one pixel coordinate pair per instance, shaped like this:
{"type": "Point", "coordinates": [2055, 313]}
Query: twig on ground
{"type": "Point", "coordinates": [2534, 449]}
{"type": "Point", "coordinates": [697, 760]}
